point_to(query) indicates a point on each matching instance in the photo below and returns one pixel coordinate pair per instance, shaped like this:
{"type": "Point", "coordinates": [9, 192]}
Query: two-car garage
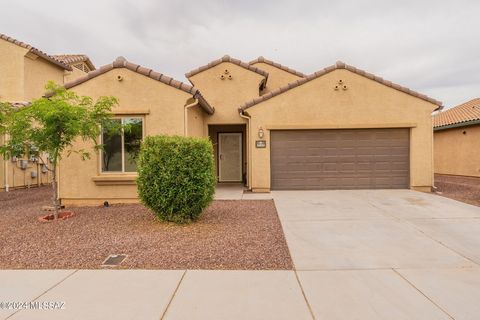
{"type": "Point", "coordinates": [340, 159]}
{"type": "Point", "coordinates": [340, 128]}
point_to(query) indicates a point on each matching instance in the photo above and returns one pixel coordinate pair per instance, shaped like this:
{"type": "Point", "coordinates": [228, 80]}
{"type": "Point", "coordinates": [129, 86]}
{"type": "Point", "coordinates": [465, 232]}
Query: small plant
{"type": "Point", "coordinates": [176, 177]}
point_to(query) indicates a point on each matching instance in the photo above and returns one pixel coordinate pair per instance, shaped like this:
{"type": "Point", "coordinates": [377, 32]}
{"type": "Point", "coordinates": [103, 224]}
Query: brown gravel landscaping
{"type": "Point", "coordinates": [236, 234]}
{"type": "Point", "coordinates": [465, 189]}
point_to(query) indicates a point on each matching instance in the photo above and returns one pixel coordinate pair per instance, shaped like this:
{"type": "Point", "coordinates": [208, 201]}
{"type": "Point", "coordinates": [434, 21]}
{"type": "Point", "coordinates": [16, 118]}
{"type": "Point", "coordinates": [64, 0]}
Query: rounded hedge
{"type": "Point", "coordinates": [176, 176]}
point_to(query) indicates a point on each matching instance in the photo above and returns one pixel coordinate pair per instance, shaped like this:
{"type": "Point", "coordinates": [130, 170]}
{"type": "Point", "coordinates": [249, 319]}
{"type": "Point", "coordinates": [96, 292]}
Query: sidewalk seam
{"type": "Point", "coordinates": [173, 296]}
{"type": "Point", "coordinates": [304, 295]}
{"type": "Point", "coordinates": [41, 294]}
{"type": "Point", "coordinates": [423, 294]}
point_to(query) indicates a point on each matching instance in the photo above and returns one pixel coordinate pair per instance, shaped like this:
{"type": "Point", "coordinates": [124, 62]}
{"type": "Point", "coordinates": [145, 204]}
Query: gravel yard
{"type": "Point", "coordinates": [465, 189]}
{"type": "Point", "coordinates": [237, 234]}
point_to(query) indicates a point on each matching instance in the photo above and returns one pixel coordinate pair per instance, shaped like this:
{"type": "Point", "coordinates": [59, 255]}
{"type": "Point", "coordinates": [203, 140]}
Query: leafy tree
{"type": "Point", "coordinates": [49, 126]}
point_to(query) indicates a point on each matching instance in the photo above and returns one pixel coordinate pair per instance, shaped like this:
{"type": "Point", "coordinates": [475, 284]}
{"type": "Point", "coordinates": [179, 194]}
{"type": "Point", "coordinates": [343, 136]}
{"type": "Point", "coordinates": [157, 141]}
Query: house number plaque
{"type": "Point", "coordinates": [261, 143]}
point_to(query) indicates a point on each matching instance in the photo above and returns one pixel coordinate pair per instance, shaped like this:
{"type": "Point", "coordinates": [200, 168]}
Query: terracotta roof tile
{"type": "Point", "coordinates": [340, 65]}
{"type": "Point", "coordinates": [74, 58]}
{"type": "Point", "coordinates": [277, 65]}
{"type": "Point", "coordinates": [227, 58]}
{"type": "Point", "coordinates": [463, 113]}
{"type": "Point", "coordinates": [121, 62]}
{"type": "Point", "coordinates": [36, 51]}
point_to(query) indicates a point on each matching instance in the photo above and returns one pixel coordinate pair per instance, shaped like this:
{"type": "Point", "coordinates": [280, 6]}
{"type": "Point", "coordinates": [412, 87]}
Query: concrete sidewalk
{"type": "Point", "coordinates": [152, 294]}
{"type": "Point", "coordinates": [202, 294]}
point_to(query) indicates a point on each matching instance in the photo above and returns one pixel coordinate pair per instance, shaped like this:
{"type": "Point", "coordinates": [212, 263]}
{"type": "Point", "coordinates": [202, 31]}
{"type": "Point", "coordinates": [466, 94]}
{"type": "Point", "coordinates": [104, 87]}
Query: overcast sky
{"type": "Point", "coordinates": [429, 46]}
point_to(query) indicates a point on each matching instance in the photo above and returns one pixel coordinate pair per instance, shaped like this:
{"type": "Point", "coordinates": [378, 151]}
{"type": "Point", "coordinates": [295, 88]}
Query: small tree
{"type": "Point", "coordinates": [50, 125]}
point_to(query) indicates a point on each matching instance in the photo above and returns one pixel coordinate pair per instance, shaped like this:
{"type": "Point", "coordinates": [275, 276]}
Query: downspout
{"type": "Point", "coordinates": [185, 119]}
{"type": "Point", "coordinates": [249, 151]}
{"type": "Point", "coordinates": [6, 168]}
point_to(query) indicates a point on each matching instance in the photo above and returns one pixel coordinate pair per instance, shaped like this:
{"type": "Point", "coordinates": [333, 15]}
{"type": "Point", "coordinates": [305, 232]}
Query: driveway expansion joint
{"type": "Point", "coordinates": [422, 293]}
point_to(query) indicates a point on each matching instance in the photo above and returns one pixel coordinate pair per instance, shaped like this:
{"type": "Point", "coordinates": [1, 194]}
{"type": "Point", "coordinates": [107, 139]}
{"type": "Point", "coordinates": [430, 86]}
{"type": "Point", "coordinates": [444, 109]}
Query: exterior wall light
{"type": "Point", "coordinates": [261, 134]}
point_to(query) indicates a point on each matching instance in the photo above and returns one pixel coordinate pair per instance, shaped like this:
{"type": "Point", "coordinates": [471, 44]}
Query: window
{"type": "Point", "coordinates": [120, 150]}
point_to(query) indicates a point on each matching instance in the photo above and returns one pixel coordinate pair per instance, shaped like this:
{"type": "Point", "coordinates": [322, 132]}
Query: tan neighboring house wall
{"type": "Point", "coordinates": [457, 140]}
{"type": "Point", "coordinates": [165, 111]}
{"type": "Point", "coordinates": [37, 73]}
{"type": "Point", "coordinates": [24, 71]}
{"type": "Point", "coordinates": [457, 151]}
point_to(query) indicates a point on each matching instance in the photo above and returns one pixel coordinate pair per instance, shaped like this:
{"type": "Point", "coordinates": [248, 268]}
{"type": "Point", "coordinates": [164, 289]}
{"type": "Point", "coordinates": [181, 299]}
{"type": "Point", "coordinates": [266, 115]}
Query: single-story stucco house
{"type": "Point", "coordinates": [273, 128]}
{"type": "Point", "coordinates": [24, 72]}
{"type": "Point", "coordinates": [457, 140]}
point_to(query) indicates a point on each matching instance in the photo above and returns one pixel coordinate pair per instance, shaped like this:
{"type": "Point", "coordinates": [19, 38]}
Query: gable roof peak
{"type": "Point", "coordinates": [36, 51]}
{"type": "Point", "coordinates": [339, 65]}
{"type": "Point", "coordinates": [71, 59]}
{"type": "Point", "coordinates": [262, 59]}
{"type": "Point", "coordinates": [121, 62]}
{"type": "Point", "coordinates": [227, 58]}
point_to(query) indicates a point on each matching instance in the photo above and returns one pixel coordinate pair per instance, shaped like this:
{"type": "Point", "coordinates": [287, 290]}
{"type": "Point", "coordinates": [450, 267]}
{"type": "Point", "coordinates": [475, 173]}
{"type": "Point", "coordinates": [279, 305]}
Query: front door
{"type": "Point", "coordinates": [230, 157]}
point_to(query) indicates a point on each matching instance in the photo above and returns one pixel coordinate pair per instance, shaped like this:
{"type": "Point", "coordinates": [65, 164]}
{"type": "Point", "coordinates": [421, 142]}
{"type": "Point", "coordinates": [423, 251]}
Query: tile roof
{"type": "Point", "coordinates": [74, 58]}
{"type": "Point", "coordinates": [121, 62]}
{"type": "Point", "coordinates": [463, 113]}
{"type": "Point", "coordinates": [338, 65]}
{"type": "Point", "coordinates": [36, 51]}
{"type": "Point", "coordinates": [227, 58]}
{"type": "Point", "coordinates": [278, 65]}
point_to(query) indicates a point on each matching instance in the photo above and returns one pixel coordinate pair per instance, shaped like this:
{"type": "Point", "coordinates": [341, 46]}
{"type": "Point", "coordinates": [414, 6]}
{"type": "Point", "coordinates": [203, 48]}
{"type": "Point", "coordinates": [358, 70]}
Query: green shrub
{"type": "Point", "coordinates": [176, 176]}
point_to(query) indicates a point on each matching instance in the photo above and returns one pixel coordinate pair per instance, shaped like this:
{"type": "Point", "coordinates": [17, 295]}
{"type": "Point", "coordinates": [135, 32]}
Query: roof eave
{"type": "Point", "coordinates": [336, 66]}
{"type": "Point", "coordinates": [457, 125]}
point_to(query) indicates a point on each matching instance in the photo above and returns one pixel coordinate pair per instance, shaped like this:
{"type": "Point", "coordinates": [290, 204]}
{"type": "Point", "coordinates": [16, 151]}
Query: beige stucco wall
{"type": "Point", "coordinates": [37, 73]}
{"type": "Point", "coordinates": [276, 77]}
{"type": "Point", "coordinates": [227, 95]}
{"type": "Point", "coordinates": [162, 107]}
{"type": "Point", "coordinates": [11, 71]}
{"type": "Point", "coordinates": [365, 104]}
{"type": "Point", "coordinates": [195, 122]}
{"type": "Point", "coordinates": [457, 153]}
{"type": "Point", "coordinates": [23, 78]}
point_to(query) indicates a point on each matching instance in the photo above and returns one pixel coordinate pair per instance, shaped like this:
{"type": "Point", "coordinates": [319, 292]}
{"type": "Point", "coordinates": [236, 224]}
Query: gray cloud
{"type": "Point", "coordinates": [429, 46]}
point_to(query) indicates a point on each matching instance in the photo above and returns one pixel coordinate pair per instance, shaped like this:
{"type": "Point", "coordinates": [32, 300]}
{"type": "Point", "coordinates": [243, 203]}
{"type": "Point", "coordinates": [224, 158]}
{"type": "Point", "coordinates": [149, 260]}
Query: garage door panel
{"type": "Point", "coordinates": [340, 159]}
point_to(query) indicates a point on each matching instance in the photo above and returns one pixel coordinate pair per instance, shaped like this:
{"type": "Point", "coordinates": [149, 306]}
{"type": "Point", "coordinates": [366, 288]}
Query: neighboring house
{"type": "Point", "coordinates": [80, 64]}
{"type": "Point", "coordinates": [457, 140]}
{"type": "Point", "coordinates": [24, 72]}
{"type": "Point", "coordinates": [272, 127]}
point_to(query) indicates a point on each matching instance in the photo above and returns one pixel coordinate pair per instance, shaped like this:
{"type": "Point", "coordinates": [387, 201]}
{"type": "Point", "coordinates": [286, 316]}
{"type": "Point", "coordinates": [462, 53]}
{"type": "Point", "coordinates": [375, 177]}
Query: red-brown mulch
{"type": "Point", "coordinates": [237, 234]}
{"type": "Point", "coordinates": [461, 188]}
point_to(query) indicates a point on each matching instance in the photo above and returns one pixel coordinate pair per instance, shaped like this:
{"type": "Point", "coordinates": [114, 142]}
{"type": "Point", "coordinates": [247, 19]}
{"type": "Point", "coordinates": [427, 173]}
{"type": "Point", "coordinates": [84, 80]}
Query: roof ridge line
{"type": "Point", "coordinates": [339, 65]}
{"type": "Point", "coordinates": [36, 51]}
{"type": "Point", "coordinates": [261, 59]}
{"type": "Point", "coordinates": [226, 58]}
{"type": "Point", "coordinates": [121, 62]}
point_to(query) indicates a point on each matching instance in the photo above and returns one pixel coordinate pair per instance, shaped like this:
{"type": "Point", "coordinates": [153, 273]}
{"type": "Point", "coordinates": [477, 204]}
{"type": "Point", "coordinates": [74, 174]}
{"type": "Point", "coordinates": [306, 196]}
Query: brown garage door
{"type": "Point", "coordinates": [340, 159]}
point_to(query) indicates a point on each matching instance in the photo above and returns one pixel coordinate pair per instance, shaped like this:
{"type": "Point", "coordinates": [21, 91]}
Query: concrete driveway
{"type": "Point", "coordinates": [384, 254]}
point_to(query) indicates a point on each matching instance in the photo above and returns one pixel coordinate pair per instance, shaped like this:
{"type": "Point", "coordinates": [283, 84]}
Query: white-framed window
{"type": "Point", "coordinates": [120, 149]}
